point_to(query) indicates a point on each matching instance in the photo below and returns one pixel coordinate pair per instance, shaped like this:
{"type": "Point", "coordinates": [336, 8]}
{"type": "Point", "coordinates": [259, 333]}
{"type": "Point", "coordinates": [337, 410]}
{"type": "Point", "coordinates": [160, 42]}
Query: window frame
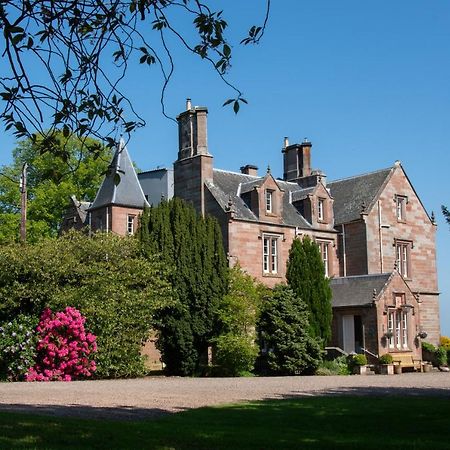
{"type": "Point", "coordinates": [268, 197]}
{"type": "Point", "coordinates": [321, 209]}
{"type": "Point", "coordinates": [400, 207]}
{"type": "Point", "coordinates": [397, 326]}
{"type": "Point", "coordinates": [325, 255]}
{"type": "Point", "coordinates": [270, 262]}
{"type": "Point", "coordinates": [132, 217]}
{"type": "Point", "coordinates": [403, 258]}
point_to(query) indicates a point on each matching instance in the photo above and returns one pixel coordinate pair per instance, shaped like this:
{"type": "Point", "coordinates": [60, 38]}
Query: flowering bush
{"type": "Point", "coordinates": [17, 347]}
{"type": "Point", "coordinates": [64, 350]}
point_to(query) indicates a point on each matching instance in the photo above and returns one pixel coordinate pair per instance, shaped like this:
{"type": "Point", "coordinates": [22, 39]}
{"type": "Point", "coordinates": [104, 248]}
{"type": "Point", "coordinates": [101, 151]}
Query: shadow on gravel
{"type": "Point", "coordinates": [125, 413]}
{"type": "Point", "coordinates": [87, 412]}
{"type": "Point", "coordinates": [374, 391]}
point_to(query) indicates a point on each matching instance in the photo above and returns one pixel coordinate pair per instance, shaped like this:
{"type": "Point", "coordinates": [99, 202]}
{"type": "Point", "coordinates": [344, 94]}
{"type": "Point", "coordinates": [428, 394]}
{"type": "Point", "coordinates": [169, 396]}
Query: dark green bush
{"type": "Point", "coordinates": [284, 329]}
{"type": "Point", "coordinates": [441, 356]}
{"type": "Point", "coordinates": [428, 347]}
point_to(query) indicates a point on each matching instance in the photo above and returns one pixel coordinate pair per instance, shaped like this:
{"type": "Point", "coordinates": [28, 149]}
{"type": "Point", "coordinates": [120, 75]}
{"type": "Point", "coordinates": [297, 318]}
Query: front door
{"type": "Point", "coordinates": [348, 333]}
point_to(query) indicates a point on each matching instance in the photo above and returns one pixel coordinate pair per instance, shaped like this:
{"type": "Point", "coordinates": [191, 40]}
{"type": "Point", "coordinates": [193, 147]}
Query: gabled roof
{"type": "Point", "coordinates": [302, 193]}
{"type": "Point", "coordinates": [81, 208]}
{"type": "Point", "coordinates": [227, 186]}
{"type": "Point", "coordinates": [120, 185]}
{"type": "Point", "coordinates": [350, 194]}
{"type": "Point", "coordinates": [358, 290]}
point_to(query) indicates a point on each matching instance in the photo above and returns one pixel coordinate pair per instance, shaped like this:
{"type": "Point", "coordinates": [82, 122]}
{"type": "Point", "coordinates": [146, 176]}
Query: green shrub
{"type": "Point", "coordinates": [428, 347]}
{"type": "Point", "coordinates": [17, 347]}
{"type": "Point", "coordinates": [386, 359]}
{"type": "Point", "coordinates": [441, 356]}
{"type": "Point", "coordinates": [235, 355]}
{"type": "Point", "coordinates": [359, 360]}
{"type": "Point", "coordinates": [338, 366]}
{"type": "Point", "coordinates": [429, 353]}
{"type": "Point", "coordinates": [104, 277]}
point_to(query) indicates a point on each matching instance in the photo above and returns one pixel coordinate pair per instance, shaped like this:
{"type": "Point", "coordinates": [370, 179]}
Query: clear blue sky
{"type": "Point", "coordinates": [367, 82]}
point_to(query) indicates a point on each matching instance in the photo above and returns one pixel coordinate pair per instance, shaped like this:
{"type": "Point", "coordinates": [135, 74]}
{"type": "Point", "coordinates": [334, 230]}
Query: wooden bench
{"type": "Point", "coordinates": [407, 360]}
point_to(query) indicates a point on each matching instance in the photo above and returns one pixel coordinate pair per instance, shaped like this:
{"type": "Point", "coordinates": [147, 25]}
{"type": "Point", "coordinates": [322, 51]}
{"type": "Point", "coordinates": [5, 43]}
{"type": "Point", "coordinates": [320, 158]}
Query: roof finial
{"type": "Point", "coordinates": [268, 168]}
{"type": "Point", "coordinates": [433, 218]}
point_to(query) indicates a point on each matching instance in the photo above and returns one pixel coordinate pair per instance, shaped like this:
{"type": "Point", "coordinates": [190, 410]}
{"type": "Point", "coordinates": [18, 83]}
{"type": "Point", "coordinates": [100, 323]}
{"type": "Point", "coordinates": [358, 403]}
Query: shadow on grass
{"type": "Point", "coordinates": [122, 413]}
{"type": "Point", "coordinates": [367, 418]}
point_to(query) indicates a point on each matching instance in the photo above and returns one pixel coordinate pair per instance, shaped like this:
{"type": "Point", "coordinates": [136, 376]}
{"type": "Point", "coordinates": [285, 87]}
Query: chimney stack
{"type": "Point", "coordinates": [192, 131]}
{"type": "Point", "coordinates": [296, 160]}
{"type": "Point", "coordinates": [249, 169]}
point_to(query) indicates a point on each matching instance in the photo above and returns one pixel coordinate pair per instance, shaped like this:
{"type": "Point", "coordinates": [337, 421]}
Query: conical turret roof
{"type": "Point", "coordinates": [120, 185]}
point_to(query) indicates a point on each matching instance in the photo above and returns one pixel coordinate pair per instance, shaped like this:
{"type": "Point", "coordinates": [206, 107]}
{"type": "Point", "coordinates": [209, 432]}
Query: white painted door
{"type": "Point", "coordinates": [348, 333]}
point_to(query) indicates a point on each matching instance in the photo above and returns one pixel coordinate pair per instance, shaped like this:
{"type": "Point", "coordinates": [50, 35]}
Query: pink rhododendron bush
{"type": "Point", "coordinates": [64, 351]}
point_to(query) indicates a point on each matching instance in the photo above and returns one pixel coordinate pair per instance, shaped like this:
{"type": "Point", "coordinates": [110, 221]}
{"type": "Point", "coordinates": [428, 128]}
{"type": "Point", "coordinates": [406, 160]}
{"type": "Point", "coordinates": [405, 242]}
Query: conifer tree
{"type": "Point", "coordinates": [284, 328]}
{"type": "Point", "coordinates": [192, 247]}
{"type": "Point", "coordinates": [305, 275]}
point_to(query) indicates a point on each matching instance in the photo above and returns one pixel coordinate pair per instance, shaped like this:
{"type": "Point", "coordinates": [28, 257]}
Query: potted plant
{"type": "Point", "coordinates": [386, 364]}
{"type": "Point", "coordinates": [359, 364]}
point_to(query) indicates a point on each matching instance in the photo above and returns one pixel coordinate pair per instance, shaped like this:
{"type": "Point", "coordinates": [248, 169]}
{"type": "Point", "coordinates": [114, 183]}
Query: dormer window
{"type": "Point", "coordinates": [269, 201]}
{"type": "Point", "coordinates": [321, 210]}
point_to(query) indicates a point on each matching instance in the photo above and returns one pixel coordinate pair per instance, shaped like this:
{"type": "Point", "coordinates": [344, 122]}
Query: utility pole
{"type": "Point", "coordinates": [23, 204]}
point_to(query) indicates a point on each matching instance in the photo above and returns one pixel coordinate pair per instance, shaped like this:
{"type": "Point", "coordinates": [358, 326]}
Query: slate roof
{"type": "Point", "coordinates": [351, 193]}
{"type": "Point", "coordinates": [357, 290]}
{"type": "Point", "coordinates": [227, 185]}
{"type": "Point", "coordinates": [120, 185]}
{"type": "Point", "coordinates": [81, 207]}
{"type": "Point", "coordinates": [302, 193]}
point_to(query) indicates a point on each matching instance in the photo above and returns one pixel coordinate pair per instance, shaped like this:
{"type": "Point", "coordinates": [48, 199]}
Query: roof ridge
{"type": "Point", "coordinates": [360, 175]}
{"type": "Point", "coordinates": [236, 173]}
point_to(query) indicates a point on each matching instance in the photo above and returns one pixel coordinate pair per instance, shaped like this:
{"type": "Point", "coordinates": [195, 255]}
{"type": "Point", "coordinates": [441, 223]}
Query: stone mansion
{"type": "Point", "coordinates": [376, 239]}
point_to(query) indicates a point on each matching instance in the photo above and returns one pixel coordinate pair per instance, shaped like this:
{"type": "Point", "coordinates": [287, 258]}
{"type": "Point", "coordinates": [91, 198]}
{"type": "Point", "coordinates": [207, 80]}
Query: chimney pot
{"type": "Point", "coordinates": [188, 104]}
{"type": "Point", "coordinates": [286, 142]}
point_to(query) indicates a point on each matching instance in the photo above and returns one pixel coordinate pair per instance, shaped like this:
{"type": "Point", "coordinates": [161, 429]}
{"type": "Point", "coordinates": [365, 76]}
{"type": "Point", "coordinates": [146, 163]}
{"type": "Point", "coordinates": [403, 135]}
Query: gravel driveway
{"type": "Point", "coordinates": [152, 397]}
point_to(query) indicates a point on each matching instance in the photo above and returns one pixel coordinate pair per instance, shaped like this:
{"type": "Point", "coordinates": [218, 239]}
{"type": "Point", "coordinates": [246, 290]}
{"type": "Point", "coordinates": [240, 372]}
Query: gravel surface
{"type": "Point", "coordinates": [153, 397]}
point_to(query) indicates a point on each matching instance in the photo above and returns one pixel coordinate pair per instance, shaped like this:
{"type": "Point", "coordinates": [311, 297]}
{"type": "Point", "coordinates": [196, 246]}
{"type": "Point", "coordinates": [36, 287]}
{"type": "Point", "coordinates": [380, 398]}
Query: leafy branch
{"type": "Point", "coordinates": [66, 61]}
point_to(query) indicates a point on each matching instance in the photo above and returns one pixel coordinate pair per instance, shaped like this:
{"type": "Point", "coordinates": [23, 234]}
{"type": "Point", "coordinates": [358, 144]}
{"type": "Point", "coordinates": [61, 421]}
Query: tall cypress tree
{"type": "Point", "coordinates": [305, 275]}
{"type": "Point", "coordinates": [193, 247]}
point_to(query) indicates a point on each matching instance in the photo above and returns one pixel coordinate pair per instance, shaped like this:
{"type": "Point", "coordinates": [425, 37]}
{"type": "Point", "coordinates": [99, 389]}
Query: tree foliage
{"type": "Point", "coordinates": [83, 50]}
{"type": "Point", "coordinates": [192, 246]}
{"type": "Point", "coordinates": [305, 275]}
{"type": "Point", "coordinates": [235, 348]}
{"type": "Point", "coordinates": [239, 311]}
{"type": "Point", "coordinates": [104, 277]}
{"type": "Point", "coordinates": [52, 179]}
{"type": "Point", "coordinates": [284, 328]}
{"type": "Point", "coordinates": [446, 213]}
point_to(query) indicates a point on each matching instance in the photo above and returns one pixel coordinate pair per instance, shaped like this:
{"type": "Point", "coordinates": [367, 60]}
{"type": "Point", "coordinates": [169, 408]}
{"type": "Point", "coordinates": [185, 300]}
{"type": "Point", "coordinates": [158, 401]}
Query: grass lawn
{"type": "Point", "coordinates": [313, 422]}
